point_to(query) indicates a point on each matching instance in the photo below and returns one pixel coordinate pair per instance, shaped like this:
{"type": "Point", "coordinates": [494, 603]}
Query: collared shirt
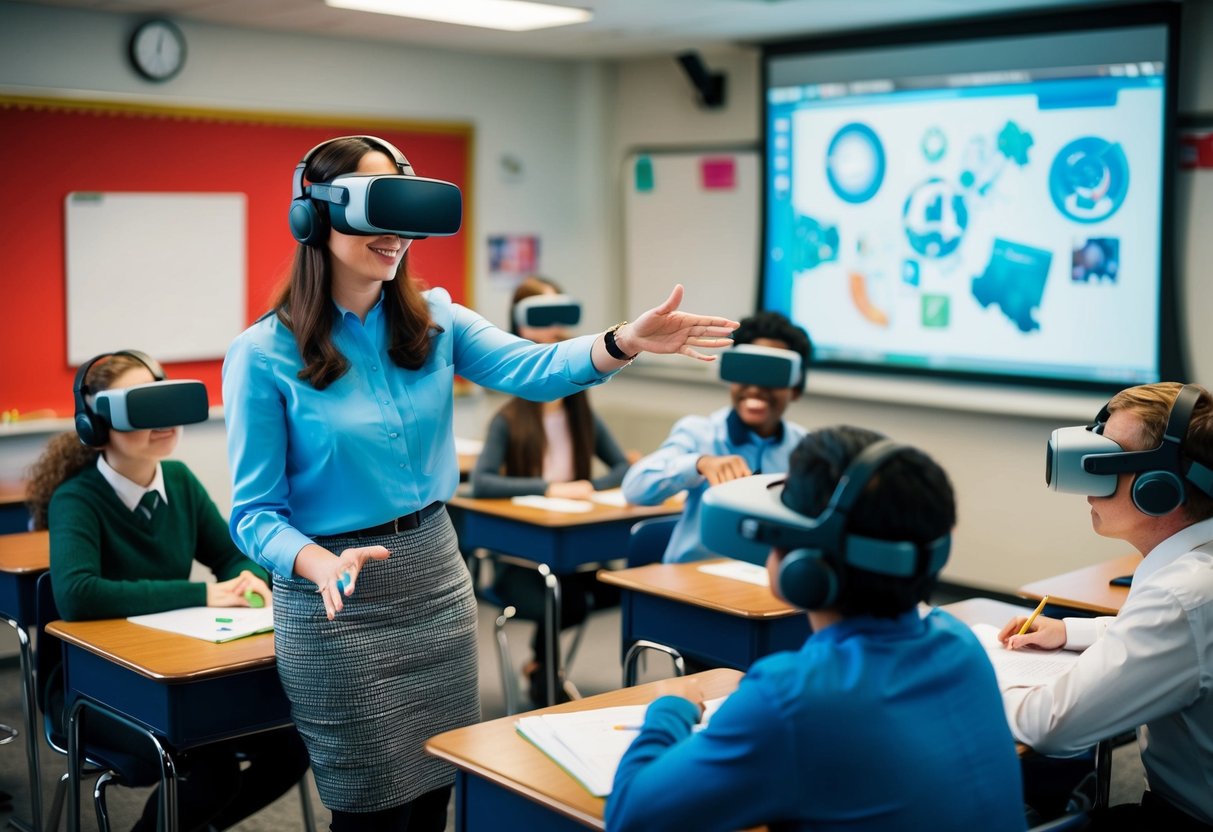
{"type": "Point", "coordinates": [672, 468]}
{"type": "Point", "coordinates": [1150, 668]}
{"type": "Point", "coordinates": [375, 444]}
{"type": "Point", "coordinates": [874, 724]}
{"type": "Point", "coordinates": [129, 491]}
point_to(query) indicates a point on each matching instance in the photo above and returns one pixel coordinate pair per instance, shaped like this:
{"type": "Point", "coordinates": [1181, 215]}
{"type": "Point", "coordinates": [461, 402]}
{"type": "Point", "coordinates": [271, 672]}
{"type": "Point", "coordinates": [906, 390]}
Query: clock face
{"type": "Point", "coordinates": [158, 50]}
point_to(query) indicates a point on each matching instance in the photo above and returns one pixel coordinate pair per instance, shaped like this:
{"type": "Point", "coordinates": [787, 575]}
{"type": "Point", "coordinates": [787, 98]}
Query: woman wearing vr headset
{"type": "Point", "coordinates": [546, 448]}
{"type": "Point", "coordinates": [126, 525]}
{"type": "Point", "coordinates": [339, 415]}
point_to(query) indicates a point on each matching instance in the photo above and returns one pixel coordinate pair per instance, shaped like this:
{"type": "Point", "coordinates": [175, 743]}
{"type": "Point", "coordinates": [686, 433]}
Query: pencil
{"type": "Point", "coordinates": [1032, 617]}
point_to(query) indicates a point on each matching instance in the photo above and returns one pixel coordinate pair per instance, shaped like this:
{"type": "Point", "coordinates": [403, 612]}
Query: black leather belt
{"type": "Point", "coordinates": [405, 523]}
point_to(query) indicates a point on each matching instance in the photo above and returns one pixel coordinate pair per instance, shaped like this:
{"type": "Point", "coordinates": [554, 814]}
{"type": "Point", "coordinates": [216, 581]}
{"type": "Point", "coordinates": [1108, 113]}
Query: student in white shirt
{"type": "Point", "coordinates": [1151, 666]}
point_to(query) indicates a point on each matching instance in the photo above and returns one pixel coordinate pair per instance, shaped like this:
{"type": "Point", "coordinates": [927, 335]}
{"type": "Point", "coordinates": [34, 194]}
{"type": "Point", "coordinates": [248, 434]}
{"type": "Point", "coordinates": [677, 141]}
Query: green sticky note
{"type": "Point", "coordinates": [254, 599]}
{"type": "Point", "coordinates": [644, 174]}
{"type": "Point", "coordinates": [935, 311]}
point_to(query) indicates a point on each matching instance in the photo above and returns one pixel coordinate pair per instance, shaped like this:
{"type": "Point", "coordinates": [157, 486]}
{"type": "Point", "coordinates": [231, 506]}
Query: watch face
{"type": "Point", "coordinates": [158, 50]}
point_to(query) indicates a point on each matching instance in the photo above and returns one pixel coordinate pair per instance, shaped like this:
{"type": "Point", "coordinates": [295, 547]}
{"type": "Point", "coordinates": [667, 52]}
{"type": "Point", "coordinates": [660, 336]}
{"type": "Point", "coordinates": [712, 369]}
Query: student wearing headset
{"type": "Point", "coordinates": [1146, 465]}
{"type": "Point", "coordinates": [339, 410]}
{"type": "Point", "coordinates": [886, 718]}
{"type": "Point", "coordinates": [547, 448]}
{"type": "Point", "coordinates": [126, 525]}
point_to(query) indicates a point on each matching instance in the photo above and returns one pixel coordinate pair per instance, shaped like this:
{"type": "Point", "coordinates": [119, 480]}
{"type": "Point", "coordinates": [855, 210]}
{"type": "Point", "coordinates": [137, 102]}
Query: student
{"type": "Point", "coordinates": [546, 448]}
{"type": "Point", "coordinates": [748, 438]}
{"type": "Point", "coordinates": [886, 718]}
{"type": "Point", "coordinates": [339, 410]}
{"type": "Point", "coordinates": [126, 525]}
{"type": "Point", "coordinates": [1147, 466]}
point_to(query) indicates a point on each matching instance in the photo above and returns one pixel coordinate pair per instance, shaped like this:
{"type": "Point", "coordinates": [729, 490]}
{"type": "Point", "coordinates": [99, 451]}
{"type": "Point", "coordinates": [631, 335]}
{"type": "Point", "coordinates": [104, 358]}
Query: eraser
{"type": "Point", "coordinates": [254, 599]}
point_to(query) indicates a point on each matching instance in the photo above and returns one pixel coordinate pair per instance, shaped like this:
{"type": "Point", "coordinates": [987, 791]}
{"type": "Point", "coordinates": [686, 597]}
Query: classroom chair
{"type": "Point", "coordinates": [647, 544]}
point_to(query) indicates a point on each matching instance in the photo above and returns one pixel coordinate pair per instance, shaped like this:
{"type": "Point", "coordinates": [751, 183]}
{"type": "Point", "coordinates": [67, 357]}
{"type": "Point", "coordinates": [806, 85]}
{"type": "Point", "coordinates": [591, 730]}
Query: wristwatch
{"type": "Point", "coordinates": [612, 348]}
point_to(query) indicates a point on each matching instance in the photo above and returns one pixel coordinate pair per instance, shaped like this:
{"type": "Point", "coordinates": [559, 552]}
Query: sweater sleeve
{"type": "Point", "coordinates": [214, 547]}
{"type": "Point", "coordinates": [487, 479]}
{"type": "Point", "coordinates": [608, 450]}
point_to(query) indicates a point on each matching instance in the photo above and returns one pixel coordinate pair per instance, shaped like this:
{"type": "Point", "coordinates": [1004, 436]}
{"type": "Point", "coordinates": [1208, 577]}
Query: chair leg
{"type": "Point", "coordinates": [1103, 773]}
{"type": "Point", "coordinates": [55, 813]}
{"type": "Point", "coordinates": [103, 818]}
{"type": "Point", "coordinates": [509, 679]}
{"type": "Point", "coordinates": [305, 802]}
{"type": "Point", "coordinates": [638, 648]}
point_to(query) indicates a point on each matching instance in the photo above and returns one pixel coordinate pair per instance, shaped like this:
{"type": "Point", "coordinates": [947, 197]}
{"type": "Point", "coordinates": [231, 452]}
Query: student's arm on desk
{"type": "Point", "coordinates": [486, 478]}
{"type": "Point", "coordinates": [672, 467]}
{"type": "Point", "coordinates": [1140, 666]}
{"type": "Point", "coordinates": [608, 450]}
{"type": "Point", "coordinates": [728, 776]}
{"type": "Point", "coordinates": [214, 547]}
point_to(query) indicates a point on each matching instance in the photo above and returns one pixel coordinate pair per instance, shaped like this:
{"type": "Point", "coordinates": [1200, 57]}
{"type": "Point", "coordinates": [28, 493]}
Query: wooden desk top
{"type": "Point", "coordinates": [163, 656]}
{"type": "Point", "coordinates": [495, 751]}
{"type": "Point", "coordinates": [685, 583]}
{"type": "Point", "coordinates": [12, 492]}
{"type": "Point", "coordinates": [598, 512]}
{"type": "Point", "coordinates": [25, 552]}
{"type": "Point", "coordinates": [1087, 588]}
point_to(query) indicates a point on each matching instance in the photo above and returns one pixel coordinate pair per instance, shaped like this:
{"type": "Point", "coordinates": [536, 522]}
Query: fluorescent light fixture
{"type": "Point", "coordinates": [509, 15]}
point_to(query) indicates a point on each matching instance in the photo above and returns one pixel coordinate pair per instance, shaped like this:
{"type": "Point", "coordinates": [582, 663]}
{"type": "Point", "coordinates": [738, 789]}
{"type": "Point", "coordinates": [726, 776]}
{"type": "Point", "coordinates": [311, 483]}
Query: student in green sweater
{"type": "Point", "coordinates": [126, 526]}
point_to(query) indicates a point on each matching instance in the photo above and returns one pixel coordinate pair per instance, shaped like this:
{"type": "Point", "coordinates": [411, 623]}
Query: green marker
{"type": "Point", "coordinates": [223, 621]}
{"type": "Point", "coordinates": [254, 599]}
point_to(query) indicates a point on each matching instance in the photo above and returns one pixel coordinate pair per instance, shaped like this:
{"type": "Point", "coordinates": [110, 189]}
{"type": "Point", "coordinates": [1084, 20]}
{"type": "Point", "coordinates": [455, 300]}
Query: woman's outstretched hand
{"type": "Point", "coordinates": [665, 329]}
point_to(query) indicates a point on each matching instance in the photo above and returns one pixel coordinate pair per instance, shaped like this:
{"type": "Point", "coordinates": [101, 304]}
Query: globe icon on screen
{"type": "Point", "coordinates": [935, 218]}
{"type": "Point", "coordinates": [855, 163]}
{"type": "Point", "coordinates": [1089, 179]}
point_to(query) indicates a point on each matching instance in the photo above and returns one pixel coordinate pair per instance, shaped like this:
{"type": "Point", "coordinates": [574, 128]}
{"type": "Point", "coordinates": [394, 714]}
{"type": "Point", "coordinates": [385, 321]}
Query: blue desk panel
{"type": "Point", "coordinates": [482, 806]}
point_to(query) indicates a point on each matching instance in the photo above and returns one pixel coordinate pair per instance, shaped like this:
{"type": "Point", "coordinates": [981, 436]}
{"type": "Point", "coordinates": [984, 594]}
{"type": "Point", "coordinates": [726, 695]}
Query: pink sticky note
{"type": "Point", "coordinates": [718, 173]}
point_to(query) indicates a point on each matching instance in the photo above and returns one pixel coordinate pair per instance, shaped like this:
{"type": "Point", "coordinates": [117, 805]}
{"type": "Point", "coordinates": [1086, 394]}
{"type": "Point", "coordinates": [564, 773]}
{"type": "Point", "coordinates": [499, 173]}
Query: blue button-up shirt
{"type": "Point", "coordinates": [672, 468]}
{"type": "Point", "coordinates": [375, 444]}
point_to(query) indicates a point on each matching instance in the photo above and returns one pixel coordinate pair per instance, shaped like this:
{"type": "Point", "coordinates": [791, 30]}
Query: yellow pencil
{"type": "Point", "coordinates": [1032, 617]}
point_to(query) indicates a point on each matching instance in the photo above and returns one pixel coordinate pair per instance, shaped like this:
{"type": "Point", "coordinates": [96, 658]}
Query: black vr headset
{"type": "Point", "coordinates": [744, 518]}
{"type": "Point", "coordinates": [1081, 460]}
{"type": "Point", "coordinates": [541, 311]}
{"type": "Point", "coordinates": [160, 404]}
{"type": "Point", "coordinates": [761, 366]}
{"type": "Point", "coordinates": [402, 204]}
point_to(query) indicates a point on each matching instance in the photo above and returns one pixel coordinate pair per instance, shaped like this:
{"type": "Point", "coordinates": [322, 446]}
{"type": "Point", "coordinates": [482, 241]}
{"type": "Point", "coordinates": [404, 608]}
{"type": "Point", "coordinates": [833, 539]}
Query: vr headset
{"type": "Point", "coordinates": [1081, 460]}
{"type": "Point", "coordinates": [761, 366]}
{"type": "Point", "coordinates": [541, 311]}
{"type": "Point", "coordinates": [156, 405]}
{"type": "Point", "coordinates": [402, 204]}
{"type": "Point", "coordinates": [744, 518]}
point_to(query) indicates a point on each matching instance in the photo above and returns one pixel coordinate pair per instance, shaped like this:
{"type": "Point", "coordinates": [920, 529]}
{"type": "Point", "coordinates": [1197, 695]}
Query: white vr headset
{"type": "Point", "coordinates": [542, 311]}
{"type": "Point", "coordinates": [761, 366]}
{"type": "Point", "coordinates": [409, 206]}
{"type": "Point", "coordinates": [157, 404]}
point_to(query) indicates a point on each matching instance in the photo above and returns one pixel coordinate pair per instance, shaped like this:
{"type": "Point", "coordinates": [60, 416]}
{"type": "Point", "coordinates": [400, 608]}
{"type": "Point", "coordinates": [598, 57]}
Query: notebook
{"type": "Point", "coordinates": [214, 624]}
{"type": "Point", "coordinates": [1015, 668]}
{"type": "Point", "coordinates": [588, 745]}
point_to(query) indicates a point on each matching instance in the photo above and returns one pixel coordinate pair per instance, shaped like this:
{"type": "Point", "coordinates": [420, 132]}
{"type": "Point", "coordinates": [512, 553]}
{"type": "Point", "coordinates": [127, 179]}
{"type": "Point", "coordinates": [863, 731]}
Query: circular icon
{"type": "Point", "coordinates": [1089, 179]}
{"type": "Point", "coordinates": [934, 144]}
{"type": "Point", "coordinates": [935, 218]}
{"type": "Point", "coordinates": [855, 163]}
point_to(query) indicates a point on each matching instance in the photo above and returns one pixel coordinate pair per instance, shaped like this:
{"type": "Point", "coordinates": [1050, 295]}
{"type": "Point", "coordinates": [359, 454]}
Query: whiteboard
{"type": "Point", "coordinates": [159, 272]}
{"type": "Point", "coordinates": [691, 217]}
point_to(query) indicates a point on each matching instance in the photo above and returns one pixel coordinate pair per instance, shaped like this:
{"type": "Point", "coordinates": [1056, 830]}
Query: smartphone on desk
{"type": "Point", "coordinates": [1122, 580]}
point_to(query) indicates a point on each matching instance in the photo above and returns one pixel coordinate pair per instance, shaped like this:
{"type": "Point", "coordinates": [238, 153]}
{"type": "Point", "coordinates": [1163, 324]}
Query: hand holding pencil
{"type": "Point", "coordinates": [1035, 630]}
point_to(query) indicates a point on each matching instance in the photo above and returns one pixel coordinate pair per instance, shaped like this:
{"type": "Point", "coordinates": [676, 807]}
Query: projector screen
{"type": "Point", "coordinates": [987, 202]}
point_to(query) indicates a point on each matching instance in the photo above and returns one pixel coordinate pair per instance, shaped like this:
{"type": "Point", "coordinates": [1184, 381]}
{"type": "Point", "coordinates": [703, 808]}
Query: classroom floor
{"type": "Point", "coordinates": [596, 669]}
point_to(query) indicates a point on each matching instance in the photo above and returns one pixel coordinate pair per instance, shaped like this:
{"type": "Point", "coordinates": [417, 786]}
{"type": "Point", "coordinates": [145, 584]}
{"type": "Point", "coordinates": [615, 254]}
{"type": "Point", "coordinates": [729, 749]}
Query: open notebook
{"type": "Point", "coordinates": [215, 624]}
{"type": "Point", "coordinates": [1022, 667]}
{"type": "Point", "coordinates": [588, 745]}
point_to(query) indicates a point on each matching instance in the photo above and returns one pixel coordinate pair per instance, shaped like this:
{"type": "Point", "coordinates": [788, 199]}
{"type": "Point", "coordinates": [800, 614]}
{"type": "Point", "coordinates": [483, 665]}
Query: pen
{"type": "Point", "coordinates": [627, 727]}
{"type": "Point", "coordinates": [1032, 617]}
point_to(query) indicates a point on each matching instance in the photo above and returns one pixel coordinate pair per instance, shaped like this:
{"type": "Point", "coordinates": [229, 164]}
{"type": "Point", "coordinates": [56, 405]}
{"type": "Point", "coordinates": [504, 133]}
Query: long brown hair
{"type": "Point", "coordinates": [304, 303]}
{"type": "Point", "coordinates": [65, 455]}
{"type": "Point", "coordinates": [528, 441]}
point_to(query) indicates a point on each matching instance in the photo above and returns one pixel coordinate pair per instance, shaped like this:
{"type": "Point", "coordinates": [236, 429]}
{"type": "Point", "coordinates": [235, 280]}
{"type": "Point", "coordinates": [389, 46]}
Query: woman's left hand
{"type": "Point", "coordinates": [665, 329]}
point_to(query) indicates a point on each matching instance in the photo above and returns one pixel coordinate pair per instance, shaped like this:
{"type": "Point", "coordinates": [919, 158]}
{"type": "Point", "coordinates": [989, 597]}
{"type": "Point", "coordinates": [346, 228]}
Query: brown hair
{"type": "Point", "coordinates": [528, 441]}
{"type": "Point", "coordinates": [1151, 405]}
{"type": "Point", "coordinates": [65, 455]}
{"type": "Point", "coordinates": [304, 303]}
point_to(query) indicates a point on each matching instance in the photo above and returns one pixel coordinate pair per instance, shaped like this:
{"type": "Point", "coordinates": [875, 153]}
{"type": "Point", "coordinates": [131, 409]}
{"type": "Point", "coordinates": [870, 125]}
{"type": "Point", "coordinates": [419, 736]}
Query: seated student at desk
{"type": "Point", "coordinates": [547, 448]}
{"type": "Point", "coordinates": [886, 719]}
{"type": "Point", "coordinates": [1147, 467]}
{"type": "Point", "coordinates": [748, 438]}
{"type": "Point", "coordinates": [125, 526]}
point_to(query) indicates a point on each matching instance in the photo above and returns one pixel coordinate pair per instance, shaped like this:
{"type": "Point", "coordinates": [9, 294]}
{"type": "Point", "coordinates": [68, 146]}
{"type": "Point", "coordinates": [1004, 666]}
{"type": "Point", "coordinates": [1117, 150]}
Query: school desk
{"type": "Point", "coordinates": [177, 690]}
{"type": "Point", "coordinates": [715, 619]}
{"type": "Point", "coordinates": [23, 557]}
{"type": "Point", "coordinates": [1087, 589]}
{"type": "Point", "coordinates": [14, 517]}
{"type": "Point", "coordinates": [555, 542]}
{"type": "Point", "coordinates": [505, 784]}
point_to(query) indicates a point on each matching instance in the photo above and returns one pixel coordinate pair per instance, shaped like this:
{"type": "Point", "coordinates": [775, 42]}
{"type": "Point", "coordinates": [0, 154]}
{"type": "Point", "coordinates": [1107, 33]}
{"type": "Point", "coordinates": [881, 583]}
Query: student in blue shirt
{"type": "Point", "coordinates": [339, 410]}
{"type": "Point", "coordinates": [747, 438]}
{"type": "Point", "coordinates": [886, 718]}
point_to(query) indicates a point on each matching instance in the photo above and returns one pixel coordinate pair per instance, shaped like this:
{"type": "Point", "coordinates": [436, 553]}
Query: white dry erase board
{"type": "Point", "coordinates": [160, 272]}
{"type": "Point", "coordinates": [691, 216]}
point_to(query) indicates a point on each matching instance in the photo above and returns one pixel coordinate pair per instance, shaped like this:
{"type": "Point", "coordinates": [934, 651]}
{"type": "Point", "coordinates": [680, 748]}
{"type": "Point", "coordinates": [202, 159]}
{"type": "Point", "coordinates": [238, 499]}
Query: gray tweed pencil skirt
{"type": "Point", "coordinates": [394, 668]}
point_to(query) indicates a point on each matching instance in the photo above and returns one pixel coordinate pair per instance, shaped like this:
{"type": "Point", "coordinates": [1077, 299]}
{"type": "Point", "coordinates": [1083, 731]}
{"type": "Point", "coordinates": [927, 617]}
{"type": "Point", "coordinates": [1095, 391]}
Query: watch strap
{"type": "Point", "coordinates": [612, 348]}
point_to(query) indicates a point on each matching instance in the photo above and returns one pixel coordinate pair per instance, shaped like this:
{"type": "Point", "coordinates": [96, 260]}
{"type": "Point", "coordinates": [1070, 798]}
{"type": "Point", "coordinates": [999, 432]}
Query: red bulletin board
{"type": "Point", "coordinates": [53, 147]}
